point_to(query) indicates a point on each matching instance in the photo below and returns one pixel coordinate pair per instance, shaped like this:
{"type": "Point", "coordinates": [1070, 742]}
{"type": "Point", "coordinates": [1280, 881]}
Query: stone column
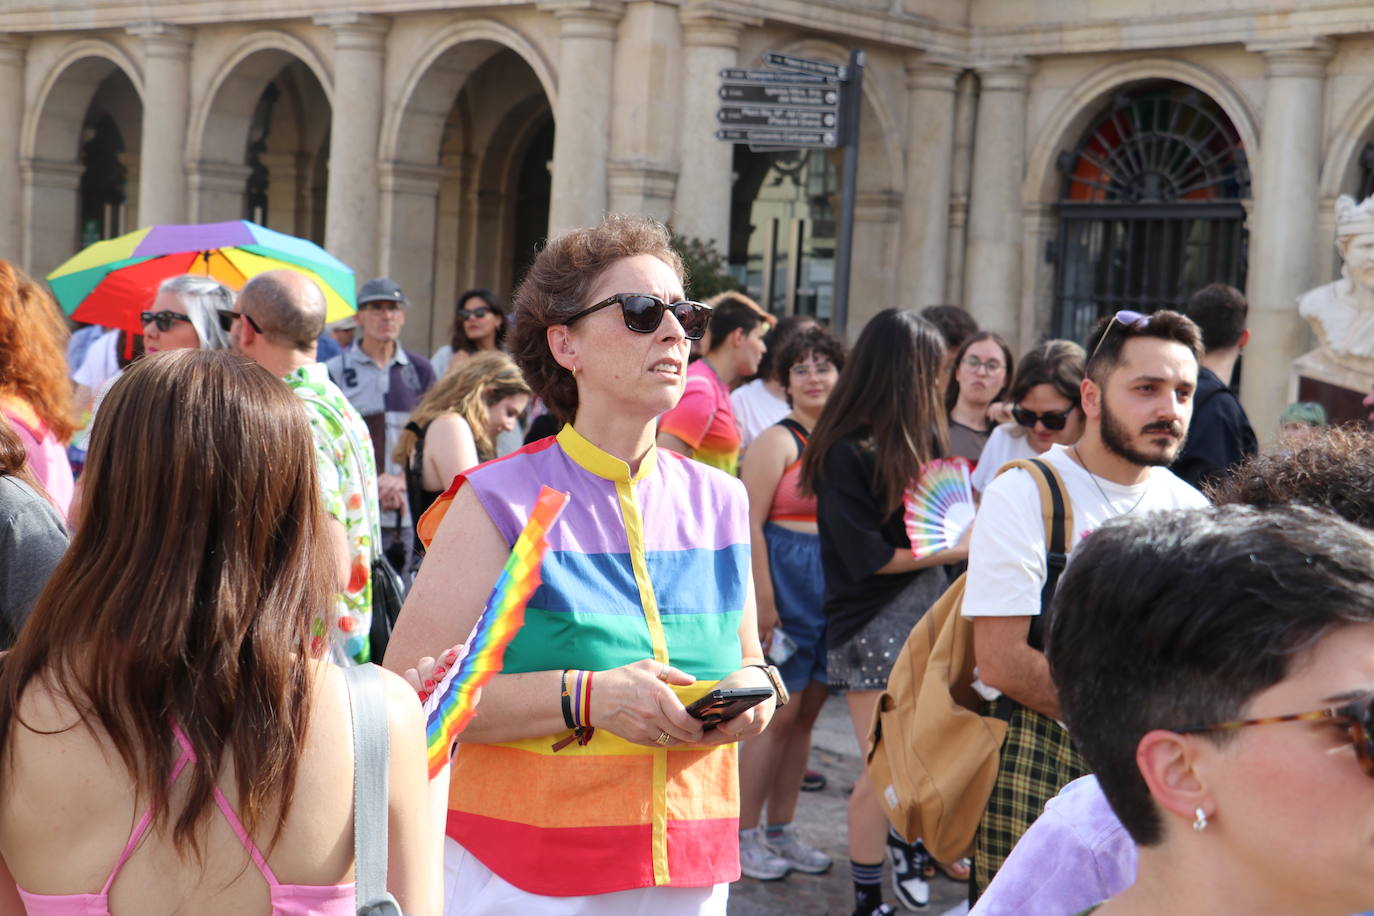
{"type": "Point", "coordinates": [162, 179]}
{"type": "Point", "coordinates": [582, 116]}
{"type": "Point", "coordinates": [930, 85]}
{"type": "Point", "coordinates": [216, 190]}
{"type": "Point", "coordinates": [645, 126]}
{"type": "Point", "coordinates": [1286, 196]}
{"type": "Point", "coordinates": [992, 263]}
{"type": "Point", "coordinates": [406, 231]}
{"type": "Point", "coordinates": [965, 103]}
{"type": "Point", "coordinates": [50, 207]}
{"type": "Point", "coordinates": [12, 114]}
{"type": "Point", "coordinates": [352, 207]}
{"type": "Point", "coordinates": [701, 207]}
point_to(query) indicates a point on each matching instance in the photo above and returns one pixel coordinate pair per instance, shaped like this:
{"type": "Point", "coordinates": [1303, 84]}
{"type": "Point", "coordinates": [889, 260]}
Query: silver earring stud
{"type": "Point", "coordinates": [1200, 821]}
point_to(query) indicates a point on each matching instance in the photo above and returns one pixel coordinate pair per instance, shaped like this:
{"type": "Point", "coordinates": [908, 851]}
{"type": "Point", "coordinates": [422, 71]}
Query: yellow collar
{"type": "Point", "coordinates": [602, 463]}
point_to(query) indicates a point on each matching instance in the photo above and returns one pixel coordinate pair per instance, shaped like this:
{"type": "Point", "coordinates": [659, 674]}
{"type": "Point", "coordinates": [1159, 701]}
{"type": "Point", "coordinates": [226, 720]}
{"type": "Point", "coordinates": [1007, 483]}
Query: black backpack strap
{"type": "Point", "coordinates": [799, 432]}
{"type": "Point", "coordinates": [1056, 554]}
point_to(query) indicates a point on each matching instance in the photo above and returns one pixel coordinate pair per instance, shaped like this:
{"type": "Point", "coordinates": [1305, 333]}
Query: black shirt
{"type": "Point", "coordinates": [857, 539]}
{"type": "Point", "coordinates": [1219, 434]}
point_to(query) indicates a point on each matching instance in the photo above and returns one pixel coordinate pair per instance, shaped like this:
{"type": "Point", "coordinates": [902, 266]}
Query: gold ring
{"type": "Point", "coordinates": [663, 739]}
{"type": "Point", "coordinates": [663, 672]}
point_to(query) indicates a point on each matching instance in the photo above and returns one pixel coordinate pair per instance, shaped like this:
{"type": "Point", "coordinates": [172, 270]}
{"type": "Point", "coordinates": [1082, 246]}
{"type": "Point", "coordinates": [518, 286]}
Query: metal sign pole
{"type": "Point", "coordinates": [852, 100]}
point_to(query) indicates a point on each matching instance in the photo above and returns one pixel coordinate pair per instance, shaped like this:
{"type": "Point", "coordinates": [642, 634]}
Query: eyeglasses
{"type": "Point", "coordinates": [801, 370]}
{"type": "Point", "coordinates": [1357, 717]}
{"type": "Point", "coordinates": [1051, 420]}
{"type": "Point", "coordinates": [480, 312]}
{"type": "Point", "coordinates": [974, 364]}
{"type": "Point", "coordinates": [163, 319]}
{"type": "Point", "coordinates": [380, 305]}
{"type": "Point", "coordinates": [1125, 318]}
{"type": "Point", "coordinates": [226, 320]}
{"type": "Point", "coordinates": [643, 313]}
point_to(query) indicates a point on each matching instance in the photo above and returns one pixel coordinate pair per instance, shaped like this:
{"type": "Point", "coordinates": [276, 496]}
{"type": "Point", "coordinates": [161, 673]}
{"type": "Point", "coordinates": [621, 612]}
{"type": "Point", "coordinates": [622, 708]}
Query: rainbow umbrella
{"type": "Point", "coordinates": [110, 282]}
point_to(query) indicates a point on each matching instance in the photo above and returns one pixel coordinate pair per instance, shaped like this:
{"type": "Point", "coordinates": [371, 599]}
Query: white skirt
{"type": "Point", "coordinates": [472, 889]}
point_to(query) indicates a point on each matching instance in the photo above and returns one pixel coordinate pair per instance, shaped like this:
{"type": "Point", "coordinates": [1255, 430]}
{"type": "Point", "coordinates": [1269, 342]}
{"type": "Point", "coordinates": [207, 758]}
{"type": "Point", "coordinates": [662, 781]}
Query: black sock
{"type": "Point", "coordinates": [868, 886]}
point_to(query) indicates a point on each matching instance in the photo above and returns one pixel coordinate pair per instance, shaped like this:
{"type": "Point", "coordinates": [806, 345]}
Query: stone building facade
{"type": "Point", "coordinates": [1038, 161]}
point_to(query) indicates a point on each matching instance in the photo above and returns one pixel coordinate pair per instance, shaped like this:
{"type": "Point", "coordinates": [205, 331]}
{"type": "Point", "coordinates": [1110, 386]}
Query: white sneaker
{"type": "Point", "coordinates": [790, 848]}
{"type": "Point", "coordinates": [755, 859]}
{"type": "Point", "coordinates": [908, 881]}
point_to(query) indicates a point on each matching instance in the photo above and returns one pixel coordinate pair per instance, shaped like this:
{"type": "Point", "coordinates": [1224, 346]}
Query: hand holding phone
{"type": "Point", "coordinates": [726, 703]}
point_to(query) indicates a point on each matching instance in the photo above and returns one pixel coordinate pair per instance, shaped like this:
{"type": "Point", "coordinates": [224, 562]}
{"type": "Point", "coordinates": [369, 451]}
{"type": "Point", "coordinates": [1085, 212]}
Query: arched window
{"type": "Point", "coordinates": [1151, 207]}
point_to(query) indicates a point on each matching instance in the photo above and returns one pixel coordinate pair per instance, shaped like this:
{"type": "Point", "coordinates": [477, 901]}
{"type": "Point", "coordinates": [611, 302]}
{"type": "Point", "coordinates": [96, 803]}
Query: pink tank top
{"type": "Point", "coordinates": [789, 505]}
{"type": "Point", "coordinates": [287, 899]}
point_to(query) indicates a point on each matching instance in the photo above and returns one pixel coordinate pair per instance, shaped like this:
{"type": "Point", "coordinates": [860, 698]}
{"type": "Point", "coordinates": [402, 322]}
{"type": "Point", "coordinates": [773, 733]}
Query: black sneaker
{"type": "Point", "coordinates": [908, 873]}
{"type": "Point", "coordinates": [812, 781]}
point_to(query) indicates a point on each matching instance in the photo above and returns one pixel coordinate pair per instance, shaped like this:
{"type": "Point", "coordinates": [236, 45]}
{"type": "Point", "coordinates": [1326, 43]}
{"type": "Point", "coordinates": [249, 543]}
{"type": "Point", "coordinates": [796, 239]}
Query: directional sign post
{"type": "Point", "coordinates": [799, 103]}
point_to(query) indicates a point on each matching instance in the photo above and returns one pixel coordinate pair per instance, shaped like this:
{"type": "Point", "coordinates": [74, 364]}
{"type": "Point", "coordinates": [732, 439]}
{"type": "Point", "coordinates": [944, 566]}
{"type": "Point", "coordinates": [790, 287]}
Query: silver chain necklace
{"type": "Point", "coordinates": [1105, 498]}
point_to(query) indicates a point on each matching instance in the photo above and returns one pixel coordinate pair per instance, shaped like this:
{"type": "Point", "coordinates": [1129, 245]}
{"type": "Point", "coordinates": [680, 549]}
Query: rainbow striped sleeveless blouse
{"type": "Point", "coordinates": [653, 565]}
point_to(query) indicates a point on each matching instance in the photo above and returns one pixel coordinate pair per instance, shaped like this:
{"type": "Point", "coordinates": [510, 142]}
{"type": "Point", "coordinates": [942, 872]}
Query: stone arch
{"type": "Point", "coordinates": [1340, 170]}
{"type": "Point", "coordinates": [1083, 103]}
{"type": "Point", "coordinates": [89, 74]}
{"type": "Point", "coordinates": [221, 123]}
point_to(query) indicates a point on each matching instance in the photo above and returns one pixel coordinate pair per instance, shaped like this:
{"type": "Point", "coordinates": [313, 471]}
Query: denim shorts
{"type": "Point", "coordinates": [794, 559]}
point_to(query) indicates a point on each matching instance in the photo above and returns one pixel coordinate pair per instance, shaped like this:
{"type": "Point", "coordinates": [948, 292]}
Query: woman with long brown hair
{"type": "Point", "coordinates": [881, 424]}
{"type": "Point", "coordinates": [164, 679]}
{"type": "Point", "coordinates": [978, 377]}
{"type": "Point", "coordinates": [35, 394]}
{"type": "Point", "coordinates": [479, 325]}
{"type": "Point", "coordinates": [32, 536]}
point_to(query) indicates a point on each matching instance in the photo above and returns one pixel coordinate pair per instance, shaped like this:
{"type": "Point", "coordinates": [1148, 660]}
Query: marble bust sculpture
{"type": "Point", "coordinates": [1342, 313]}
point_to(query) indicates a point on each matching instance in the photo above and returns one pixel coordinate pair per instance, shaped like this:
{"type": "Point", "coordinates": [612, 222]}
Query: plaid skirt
{"type": "Point", "coordinates": [1037, 760]}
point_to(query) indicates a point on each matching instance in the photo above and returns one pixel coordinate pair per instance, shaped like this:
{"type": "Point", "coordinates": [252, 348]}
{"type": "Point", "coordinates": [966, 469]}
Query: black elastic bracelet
{"type": "Point", "coordinates": [567, 703]}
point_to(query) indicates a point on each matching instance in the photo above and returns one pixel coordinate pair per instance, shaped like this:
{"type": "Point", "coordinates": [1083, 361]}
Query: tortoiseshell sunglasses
{"type": "Point", "coordinates": [1357, 716]}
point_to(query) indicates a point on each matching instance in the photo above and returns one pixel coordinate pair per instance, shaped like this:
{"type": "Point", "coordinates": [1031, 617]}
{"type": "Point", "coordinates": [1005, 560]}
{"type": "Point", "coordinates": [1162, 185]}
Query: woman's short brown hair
{"type": "Point", "coordinates": [556, 288]}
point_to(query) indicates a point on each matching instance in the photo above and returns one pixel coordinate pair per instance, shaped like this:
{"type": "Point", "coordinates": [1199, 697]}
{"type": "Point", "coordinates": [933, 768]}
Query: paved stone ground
{"type": "Point", "coordinates": [821, 819]}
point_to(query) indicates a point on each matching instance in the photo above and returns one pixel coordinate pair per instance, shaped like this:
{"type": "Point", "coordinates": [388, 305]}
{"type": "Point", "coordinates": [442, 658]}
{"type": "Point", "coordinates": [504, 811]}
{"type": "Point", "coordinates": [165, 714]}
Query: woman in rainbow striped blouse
{"type": "Point", "coordinates": [582, 785]}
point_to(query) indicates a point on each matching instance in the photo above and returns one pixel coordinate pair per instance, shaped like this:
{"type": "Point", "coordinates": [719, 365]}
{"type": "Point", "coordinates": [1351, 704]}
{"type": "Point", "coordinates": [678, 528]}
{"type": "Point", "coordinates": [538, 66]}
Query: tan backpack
{"type": "Point", "coordinates": [932, 753]}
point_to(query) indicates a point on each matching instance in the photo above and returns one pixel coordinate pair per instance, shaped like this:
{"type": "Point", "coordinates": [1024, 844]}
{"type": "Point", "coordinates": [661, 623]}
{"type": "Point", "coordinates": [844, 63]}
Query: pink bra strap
{"type": "Point", "coordinates": [244, 838]}
{"type": "Point", "coordinates": [142, 827]}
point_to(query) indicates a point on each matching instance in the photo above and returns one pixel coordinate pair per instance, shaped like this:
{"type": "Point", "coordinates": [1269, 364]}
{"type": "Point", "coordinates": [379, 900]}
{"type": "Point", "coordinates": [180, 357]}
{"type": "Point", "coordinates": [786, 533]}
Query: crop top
{"type": "Point", "coordinates": [287, 899]}
{"type": "Point", "coordinates": [789, 505]}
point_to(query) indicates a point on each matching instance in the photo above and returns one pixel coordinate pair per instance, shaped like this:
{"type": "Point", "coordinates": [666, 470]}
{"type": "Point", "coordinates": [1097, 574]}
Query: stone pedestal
{"type": "Point", "coordinates": [582, 138]}
{"type": "Point", "coordinates": [12, 114]}
{"type": "Point", "coordinates": [1337, 388]}
{"type": "Point", "coordinates": [701, 206]}
{"type": "Point", "coordinates": [930, 87]}
{"type": "Point", "coordinates": [162, 185]}
{"type": "Point", "coordinates": [1287, 194]}
{"type": "Point", "coordinates": [353, 203]}
{"type": "Point", "coordinates": [992, 261]}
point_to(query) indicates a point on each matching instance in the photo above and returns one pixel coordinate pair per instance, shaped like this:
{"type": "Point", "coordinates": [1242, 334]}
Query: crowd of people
{"type": "Point", "coordinates": [193, 519]}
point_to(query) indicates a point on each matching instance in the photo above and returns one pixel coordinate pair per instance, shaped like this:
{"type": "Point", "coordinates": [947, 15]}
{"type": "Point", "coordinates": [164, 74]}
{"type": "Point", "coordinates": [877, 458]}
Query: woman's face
{"type": "Point", "coordinates": [1043, 399]}
{"type": "Point", "coordinates": [502, 415]}
{"type": "Point", "coordinates": [622, 371]}
{"type": "Point", "coordinates": [180, 336]}
{"type": "Point", "coordinates": [810, 381]}
{"type": "Point", "coordinates": [480, 320]}
{"type": "Point", "coordinates": [981, 372]}
{"type": "Point", "coordinates": [1295, 792]}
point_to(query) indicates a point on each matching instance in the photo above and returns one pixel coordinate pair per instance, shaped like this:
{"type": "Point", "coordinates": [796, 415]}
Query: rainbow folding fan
{"type": "Point", "coordinates": [939, 506]}
{"type": "Point", "coordinates": [450, 707]}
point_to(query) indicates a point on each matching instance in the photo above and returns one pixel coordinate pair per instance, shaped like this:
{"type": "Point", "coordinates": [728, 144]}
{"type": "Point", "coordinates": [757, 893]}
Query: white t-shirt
{"type": "Point", "coordinates": [1007, 552]}
{"type": "Point", "coordinates": [1005, 444]}
{"type": "Point", "coordinates": [756, 409]}
{"type": "Point", "coordinates": [100, 363]}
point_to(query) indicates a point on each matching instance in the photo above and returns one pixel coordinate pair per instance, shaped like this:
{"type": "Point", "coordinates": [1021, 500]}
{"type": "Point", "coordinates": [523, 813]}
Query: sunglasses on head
{"type": "Point", "coordinates": [643, 313]}
{"type": "Point", "coordinates": [1125, 318]}
{"type": "Point", "coordinates": [1357, 717]}
{"type": "Point", "coordinates": [1052, 420]}
{"type": "Point", "coordinates": [227, 316]}
{"type": "Point", "coordinates": [163, 319]}
{"type": "Point", "coordinates": [481, 311]}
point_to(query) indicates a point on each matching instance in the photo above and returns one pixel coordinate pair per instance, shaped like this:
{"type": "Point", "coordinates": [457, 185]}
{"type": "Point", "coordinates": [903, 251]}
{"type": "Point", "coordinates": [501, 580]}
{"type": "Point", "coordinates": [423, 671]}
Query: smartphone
{"type": "Point", "coordinates": [726, 703]}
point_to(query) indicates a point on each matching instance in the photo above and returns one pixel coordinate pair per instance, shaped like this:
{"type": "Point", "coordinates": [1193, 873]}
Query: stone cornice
{"type": "Point", "coordinates": [163, 39]}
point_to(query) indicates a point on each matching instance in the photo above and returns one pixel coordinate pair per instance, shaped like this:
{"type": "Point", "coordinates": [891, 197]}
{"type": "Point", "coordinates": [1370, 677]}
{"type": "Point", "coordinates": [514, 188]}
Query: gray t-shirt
{"type": "Point", "coordinates": [32, 540]}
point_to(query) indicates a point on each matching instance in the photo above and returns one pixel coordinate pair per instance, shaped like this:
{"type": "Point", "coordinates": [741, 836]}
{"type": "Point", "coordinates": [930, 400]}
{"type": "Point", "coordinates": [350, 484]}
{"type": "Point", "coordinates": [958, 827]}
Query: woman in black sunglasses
{"type": "Point", "coordinates": [185, 315]}
{"type": "Point", "coordinates": [1045, 408]}
{"type": "Point", "coordinates": [479, 323]}
{"type": "Point", "coordinates": [583, 776]}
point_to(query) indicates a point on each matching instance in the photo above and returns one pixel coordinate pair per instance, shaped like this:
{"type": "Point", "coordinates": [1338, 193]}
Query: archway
{"type": "Point", "coordinates": [261, 144]}
{"type": "Point", "coordinates": [81, 168]}
{"type": "Point", "coordinates": [1150, 206]}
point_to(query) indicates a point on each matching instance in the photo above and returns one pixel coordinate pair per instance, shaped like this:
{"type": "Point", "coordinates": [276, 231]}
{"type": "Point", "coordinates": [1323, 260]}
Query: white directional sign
{"type": "Point", "coordinates": [738, 74]}
{"type": "Point", "coordinates": [801, 95]}
{"type": "Point", "coordinates": [774, 116]}
{"type": "Point", "coordinates": [779, 138]}
{"type": "Point", "coordinates": [805, 65]}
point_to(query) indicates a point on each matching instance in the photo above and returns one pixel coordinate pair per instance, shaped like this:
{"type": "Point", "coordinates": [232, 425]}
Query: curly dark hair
{"type": "Point", "coordinates": [814, 339]}
{"type": "Point", "coordinates": [556, 288]}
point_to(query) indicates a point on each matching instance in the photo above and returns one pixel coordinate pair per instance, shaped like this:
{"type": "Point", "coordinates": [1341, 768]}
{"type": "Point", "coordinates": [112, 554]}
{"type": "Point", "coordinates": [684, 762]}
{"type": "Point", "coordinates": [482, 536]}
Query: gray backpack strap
{"type": "Point", "coordinates": [367, 707]}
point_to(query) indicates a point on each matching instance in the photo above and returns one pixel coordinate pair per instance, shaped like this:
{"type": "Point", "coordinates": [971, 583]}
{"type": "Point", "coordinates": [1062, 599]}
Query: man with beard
{"type": "Point", "coordinates": [1137, 401]}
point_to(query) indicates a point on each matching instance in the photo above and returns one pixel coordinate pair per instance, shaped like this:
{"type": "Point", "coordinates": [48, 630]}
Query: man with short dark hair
{"type": "Point", "coordinates": [954, 324]}
{"type": "Point", "coordinates": [702, 425]}
{"type": "Point", "coordinates": [278, 317]}
{"type": "Point", "coordinates": [384, 381]}
{"type": "Point", "coordinates": [1220, 434]}
{"type": "Point", "coordinates": [1137, 401]}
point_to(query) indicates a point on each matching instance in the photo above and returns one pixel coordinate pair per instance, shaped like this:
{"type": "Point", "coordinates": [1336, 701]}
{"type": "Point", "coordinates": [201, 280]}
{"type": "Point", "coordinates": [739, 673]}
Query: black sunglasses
{"type": "Point", "coordinates": [226, 320]}
{"type": "Point", "coordinates": [1052, 420]}
{"type": "Point", "coordinates": [163, 319]}
{"type": "Point", "coordinates": [481, 311]}
{"type": "Point", "coordinates": [643, 313]}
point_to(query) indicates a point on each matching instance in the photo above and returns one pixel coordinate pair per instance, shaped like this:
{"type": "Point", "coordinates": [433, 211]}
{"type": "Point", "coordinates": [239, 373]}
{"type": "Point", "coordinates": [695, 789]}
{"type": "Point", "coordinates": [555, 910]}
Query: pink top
{"type": "Point", "coordinates": [789, 505]}
{"type": "Point", "coordinates": [46, 456]}
{"type": "Point", "coordinates": [287, 899]}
